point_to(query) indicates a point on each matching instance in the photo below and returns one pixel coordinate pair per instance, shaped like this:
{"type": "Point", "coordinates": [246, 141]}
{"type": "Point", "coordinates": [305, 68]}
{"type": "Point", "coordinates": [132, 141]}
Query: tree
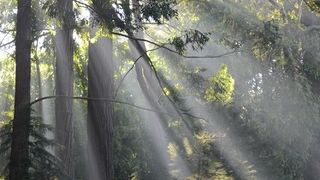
{"type": "Point", "coordinates": [64, 86]}
{"type": "Point", "coordinates": [19, 158]}
{"type": "Point", "coordinates": [100, 113]}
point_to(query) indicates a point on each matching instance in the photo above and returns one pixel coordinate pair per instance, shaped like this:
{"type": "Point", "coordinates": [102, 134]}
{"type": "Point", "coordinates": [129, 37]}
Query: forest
{"type": "Point", "coordinates": [159, 89]}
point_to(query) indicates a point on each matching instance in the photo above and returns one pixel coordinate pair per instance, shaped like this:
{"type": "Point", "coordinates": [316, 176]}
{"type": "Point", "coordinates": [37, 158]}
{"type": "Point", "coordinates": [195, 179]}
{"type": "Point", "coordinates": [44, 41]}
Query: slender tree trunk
{"type": "Point", "coordinates": [19, 158]}
{"type": "Point", "coordinates": [100, 113]}
{"type": "Point", "coordinates": [37, 60]}
{"type": "Point", "coordinates": [64, 86]}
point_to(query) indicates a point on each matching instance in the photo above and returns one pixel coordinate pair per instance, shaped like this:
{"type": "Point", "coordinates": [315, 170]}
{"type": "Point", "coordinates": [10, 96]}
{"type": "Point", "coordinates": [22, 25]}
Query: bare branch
{"type": "Point", "coordinates": [148, 60]}
{"type": "Point", "coordinates": [8, 43]}
{"type": "Point", "coordinates": [135, 62]}
{"type": "Point", "coordinates": [122, 79]}
{"type": "Point", "coordinates": [107, 100]}
{"type": "Point", "coordinates": [35, 38]}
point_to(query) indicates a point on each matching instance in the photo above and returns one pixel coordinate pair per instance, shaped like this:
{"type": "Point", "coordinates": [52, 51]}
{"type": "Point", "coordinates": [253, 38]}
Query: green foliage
{"type": "Point", "coordinates": [179, 44]}
{"type": "Point", "coordinates": [221, 87]}
{"type": "Point", "coordinates": [51, 8]}
{"type": "Point", "coordinates": [271, 33]}
{"type": "Point", "coordinates": [131, 159]}
{"type": "Point", "coordinates": [192, 37]}
{"type": "Point", "coordinates": [7, 80]}
{"type": "Point", "coordinates": [158, 10]}
{"type": "Point", "coordinates": [52, 16]}
{"type": "Point", "coordinates": [120, 18]}
{"type": "Point", "coordinates": [66, 17]}
{"type": "Point", "coordinates": [210, 164]}
{"type": "Point", "coordinates": [5, 140]}
{"type": "Point", "coordinates": [43, 164]}
{"type": "Point", "coordinates": [313, 70]}
{"type": "Point", "coordinates": [314, 5]}
{"type": "Point", "coordinates": [7, 18]}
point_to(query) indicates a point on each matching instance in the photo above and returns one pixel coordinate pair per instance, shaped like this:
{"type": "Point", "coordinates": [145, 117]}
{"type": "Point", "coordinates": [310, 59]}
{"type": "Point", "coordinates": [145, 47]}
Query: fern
{"type": "Point", "coordinates": [44, 165]}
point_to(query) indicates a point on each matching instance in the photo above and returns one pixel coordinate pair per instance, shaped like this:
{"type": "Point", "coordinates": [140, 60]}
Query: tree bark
{"type": "Point", "coordinates": [64, 87]}
{"type": "Point", "coordinates": [19, 158]}
{"type": "Point", "coordinates": [100, 113]}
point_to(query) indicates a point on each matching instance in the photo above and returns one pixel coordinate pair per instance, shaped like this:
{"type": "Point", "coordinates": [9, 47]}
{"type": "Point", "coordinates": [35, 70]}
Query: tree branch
{"type": "Point", "coordinates": [8, 43]}
{"type": "Point", "coordinates": [35, 38]}
{"type": "Point", "coordinates": [81, 4]}
{"type": "Point", "coordinates": [122, 79]}
{"type": "Point", "coordinates": [108, 100]}
{"type": "Point", "coordinates": [173, 51]}
{"type": "Point", "coordinates": [135, 62]}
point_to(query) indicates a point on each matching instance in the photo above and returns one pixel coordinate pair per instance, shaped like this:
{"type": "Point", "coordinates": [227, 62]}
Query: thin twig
{"type": "Point", "coordinates": [35, 38]}
{"type": "Point", "coordinates": [8, 43]}
{"type": "Point", "coordinates": [4, 37]}
{"type": "Point", "coordinates": [122, 79]}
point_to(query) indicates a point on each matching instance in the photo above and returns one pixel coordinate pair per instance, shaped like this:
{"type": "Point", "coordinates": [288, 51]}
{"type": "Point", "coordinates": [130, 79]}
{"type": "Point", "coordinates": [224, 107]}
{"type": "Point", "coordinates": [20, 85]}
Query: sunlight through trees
{"type": "Point", "coordinates": [159, 89]}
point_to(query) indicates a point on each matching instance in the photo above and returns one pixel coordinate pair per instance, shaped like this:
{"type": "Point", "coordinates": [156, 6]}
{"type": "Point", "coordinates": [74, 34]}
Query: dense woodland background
{"type": "Point", "coordinates": [160, 89]}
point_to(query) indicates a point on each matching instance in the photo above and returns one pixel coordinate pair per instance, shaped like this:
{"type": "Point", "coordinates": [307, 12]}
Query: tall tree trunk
{"type": "Point", "coordinates": [151, 91]}
{"type": "Point", "coordinates": [100, 113]}
{"type": "Point", "coordinates": [19, 158]}
{"type": "Point", "coordinates": [64, 87]}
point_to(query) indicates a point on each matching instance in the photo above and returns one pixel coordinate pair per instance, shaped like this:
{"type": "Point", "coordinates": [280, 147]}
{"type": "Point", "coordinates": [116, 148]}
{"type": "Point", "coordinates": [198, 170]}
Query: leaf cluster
{"type": "Point", "coordinates": [157, 10]}
{"type": "Point", "coordinates": [221, 87]}
{"type": "Point", "coordinates": [193, 38]}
